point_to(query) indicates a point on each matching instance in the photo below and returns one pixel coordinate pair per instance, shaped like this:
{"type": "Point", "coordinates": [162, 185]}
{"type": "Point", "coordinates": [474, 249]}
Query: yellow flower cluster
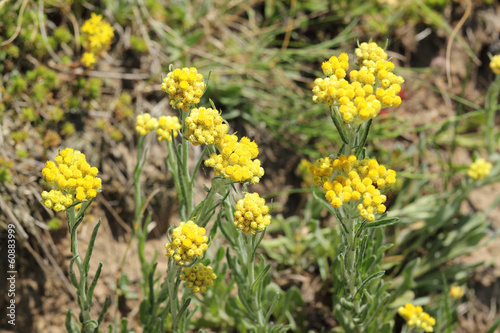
{"type": "Point", "coordinates": [495, 64]}
{"type": "Point", "coordinates": [73, 179]}
{"type": "Point", "coordinates": [198, 277]}
{"type": "Point", "coordinates": [96, 36]}
{"type": "Point", "coordinates": [164, 126]}
{"type": "Point", "coordinates": [354, 180]}
{"type": "Point", "coordinates": [204, 126]}
{"type": "Point", "coordinates": [167, 125]}
{"type": "Point", "coordinates": [251, 215]}
{"type": "Point", "coordinates": [321, 170]}
{"type": "Point", "coordinates": [184, 87]}
{"type": "Point", "coordinates": [479, 169]}
{"type": "Point", "coordinates": [144, 124]}
{"type": "Point", "coordinates": [336, 66]}
{"type": "Point", "coordinates": [370, 89]}
{"type": "Point", "coordinates": [456, 292]}
{"type": "Point", "coordinates": [188, 243]}
{"type": "Point", "coordinates": [415, 316]}
{"type": "Point", "coordinates": [237, 161]}
{"type": "Point", "coordinates": [89, 59]}
{"type": "Point", "coordinates": [369, 54]}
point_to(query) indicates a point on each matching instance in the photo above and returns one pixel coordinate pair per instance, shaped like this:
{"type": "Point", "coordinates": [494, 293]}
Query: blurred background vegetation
{"type": "Point", "coordinates": [262, 56]}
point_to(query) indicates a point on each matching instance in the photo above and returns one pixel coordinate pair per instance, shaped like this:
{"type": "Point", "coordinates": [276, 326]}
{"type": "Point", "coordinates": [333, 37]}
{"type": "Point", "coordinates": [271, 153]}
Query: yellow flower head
{"type": "Point", "coordinates": [198, 277]}
{"type": "Point", "coordinates": [72, 178]}
{"type": "Point", "coordinates": [456, 292]}
{"type": "Point", "coordinates": [167, 125]}
{"type": "Point", "coordinates": [321, 170]}
{"type": "Point", "coordinates": [479, 169]}
{"type": "Point", "coordinates": [495, 64]}
{"type": "Point", "coordinates": [144, 124]}
{"type": "Point", "coordinates": [96, 37]}
{"type": "Point", "coordinates": [361, 181]}
{"type": "Point", "coordinates": [415, 316]}
{"type": "Point", "coordinates": [89, 59]}
{"type": "Point", "coordinates": [204, 126]}
{"type": "Point", "coordinates": [369, 54]}
{"type": "Point", "coordinates": [251, 215]}
{"type": "Point", "coordinates": [368, 89]}
{"type": "Point", "coordinates": [188, 243]}
{"type": "Point", "coordinates": [336, 66]}
{"type": "Point", "coordinates": [97, 34]}
{"type": "Point", "coordinates": [184, 87]}
{"type": "Point", "coordinates": [237, 161]}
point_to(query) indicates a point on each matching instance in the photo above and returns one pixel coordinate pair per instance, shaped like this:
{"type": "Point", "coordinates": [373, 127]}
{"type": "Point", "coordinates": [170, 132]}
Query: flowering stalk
{"type": "Point", "coordinates": [234, 160]}
{"type": "Point", "coordinates": [244, 228]}
{"type": "Point", "coordinates": [84, 291]}
{"type": "Point", "coordinates": [74, 187]}
{"type": "Point", "coordinates": [353, 184]}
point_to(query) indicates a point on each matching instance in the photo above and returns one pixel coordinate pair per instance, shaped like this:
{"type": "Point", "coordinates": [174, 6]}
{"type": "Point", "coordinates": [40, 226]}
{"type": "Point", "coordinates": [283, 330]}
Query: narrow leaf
{"type": "Point", "coordinates": [277, 297]}
{"type": "Point", "coordinates": [260, 277]}
{"type": "Point", "coordinates": [365, 136]}
{"type": "Point", "coordinates": [94, 283]}
{"type": "Point", "coordinates": [90, 248]}
{"type": "Point", "coordinates": [368, 279]}
{"type": "Point", "coordinates": [180, 314]}
{"type": "Point", "coordinates": [103, 312]}
{"type": "Point", "coordinates": [72, 274]}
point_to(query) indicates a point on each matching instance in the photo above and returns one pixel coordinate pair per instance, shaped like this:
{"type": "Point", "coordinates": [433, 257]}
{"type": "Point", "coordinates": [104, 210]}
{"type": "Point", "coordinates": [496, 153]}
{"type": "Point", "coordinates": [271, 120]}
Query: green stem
{"type": "Point", "coordinates": [172, 292]}
{"type": "Point", "coordinates": [171, 162]}
{"type": "Point", "coordinates": [250, 247]}
{"type": "Point", "coordinates": [139, 200]}
{"type": "Point", "coordinates": [351, 257]}
{"type": "Point", "coordinates": [339, 123]}
{"type": "Point", "coordinates": [208, 202]}
{"type": "Point", "coordinates": [73, 222]}
{"type": "Point", "coordinates": [186, 179]}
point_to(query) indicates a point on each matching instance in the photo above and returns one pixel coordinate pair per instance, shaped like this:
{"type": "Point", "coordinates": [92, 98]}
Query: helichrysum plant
{"type": "Point", "coordinates": [354, 185]}
{"type": "Point", "coordinates": [241, 218]}
{"type": "Point", "coordinates": [75, 184]}
{"type": "Point", "coordinates": [96, 38]}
